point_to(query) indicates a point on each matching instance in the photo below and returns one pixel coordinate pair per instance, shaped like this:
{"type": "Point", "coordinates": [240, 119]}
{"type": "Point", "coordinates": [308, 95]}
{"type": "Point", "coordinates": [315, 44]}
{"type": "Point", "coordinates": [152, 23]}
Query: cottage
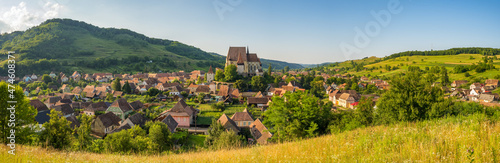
{"type": "Point", "coordinates": [242, 119]}
{"type": "Point", "coordinates": [228, 124]}
{"type": "Point", "coordinates": [105, 123]}
{"type": "Point", "coordinates": [38, 105]}
{"type": "Point", "coordinates": [65, 109]}
{"type": "Point", "coordinates": [135, 120]}
{"type": "Point", "coordinates": [475, 86]}
{"type": "Point", "coordinates": [137, 105]}
{"type": "Point", "coordinates": [74, 123]}
{"type": "Point", "coordinates": [176, 90]}
{"type": "Point", "coordinates": [53, 100]}
{"type": "Point", "coordinates": [192, 87]}
{"type": "Point", "coordinates": [202, 89]}
{"type": "Point", "coordinates": [488, 98]}
{"type": "Point", "coordinates": [95, 108]}
{"type": "Point", "coordinates": [346, 99]}
{"type": "Point", "coordinates": [52, 75]}
{"type": "Point", "coordinates": [43, 111]}
{"type": "Point", "coordinates": [260, 132]}
{"type": "Point", "coordinates": [182, 113]}
{"type": "Point", "coordinates": [120, 108]}
{"type": "Point", "coordinates": [171, 123]}
{"type": "Point", "coordinates": [493, 83]}
{"type": "Point", "coordinates": [260, 102]}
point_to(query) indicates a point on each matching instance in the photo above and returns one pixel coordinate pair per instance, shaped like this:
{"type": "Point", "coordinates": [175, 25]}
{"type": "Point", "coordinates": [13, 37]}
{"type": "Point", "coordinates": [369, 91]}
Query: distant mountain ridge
{"type": "Point", "coordinates": [68, 45]}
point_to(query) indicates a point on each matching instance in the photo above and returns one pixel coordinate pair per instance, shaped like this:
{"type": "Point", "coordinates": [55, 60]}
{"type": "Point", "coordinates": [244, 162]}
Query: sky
{"type": "Point", "coordinates": [297, 31]}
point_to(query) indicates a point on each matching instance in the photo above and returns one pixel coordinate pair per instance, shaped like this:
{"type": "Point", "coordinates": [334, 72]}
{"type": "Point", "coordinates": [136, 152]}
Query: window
{"type": "Point", "coordinates": [244, 123]}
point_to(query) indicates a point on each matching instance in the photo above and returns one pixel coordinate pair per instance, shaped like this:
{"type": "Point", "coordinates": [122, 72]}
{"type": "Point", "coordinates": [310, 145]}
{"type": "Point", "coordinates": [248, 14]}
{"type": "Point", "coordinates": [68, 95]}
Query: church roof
{"type": "Point", "coordinates": [241, 59]}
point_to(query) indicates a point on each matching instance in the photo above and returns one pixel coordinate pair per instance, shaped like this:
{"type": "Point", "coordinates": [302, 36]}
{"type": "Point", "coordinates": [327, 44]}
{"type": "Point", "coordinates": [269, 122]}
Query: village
{"type": "Point", "coordinates": [187, 102]}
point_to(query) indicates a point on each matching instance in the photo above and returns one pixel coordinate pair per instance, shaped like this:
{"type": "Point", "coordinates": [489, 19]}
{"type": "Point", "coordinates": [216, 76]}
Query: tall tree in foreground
{"type": "Point", "coordinates": [57, 133]}
{"type": "Point", "coordinates": [408, 99]}
{"type": "Point", "coordinates": [23, 116]}
{"type": "Point", "coordinates": [83, 132]}
{"type": "Point", "coordinates": [160, 136]}
{"type": "Point", "coordinates": [297, 115]}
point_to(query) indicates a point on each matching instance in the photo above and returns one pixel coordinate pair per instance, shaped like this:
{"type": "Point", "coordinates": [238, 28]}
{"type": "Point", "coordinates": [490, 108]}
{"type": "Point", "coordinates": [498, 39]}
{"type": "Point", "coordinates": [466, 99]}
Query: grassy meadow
{"type": "Point", "coordinates": [449, 61]}
{"type": "Point", "coordinates": [446, 140]}
{"type": "Point", "coordinates": [207, 113]}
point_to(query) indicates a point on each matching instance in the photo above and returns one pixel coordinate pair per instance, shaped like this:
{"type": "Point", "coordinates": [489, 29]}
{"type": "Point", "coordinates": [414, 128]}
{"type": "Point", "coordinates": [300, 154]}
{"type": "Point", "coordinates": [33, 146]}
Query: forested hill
{"type": "Point", "coordinates": [68, 45]}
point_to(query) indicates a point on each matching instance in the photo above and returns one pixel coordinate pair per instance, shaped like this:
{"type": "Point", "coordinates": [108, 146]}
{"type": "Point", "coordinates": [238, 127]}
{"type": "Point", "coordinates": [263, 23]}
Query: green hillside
{"type": "Point", "coordinates": [67, 45]}
{"type": "Point", "coordinates": [399, 62]}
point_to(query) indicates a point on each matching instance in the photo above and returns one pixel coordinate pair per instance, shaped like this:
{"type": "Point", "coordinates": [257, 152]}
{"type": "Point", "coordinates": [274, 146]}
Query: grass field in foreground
{"type": "Point", "coordinates": [445, 140]}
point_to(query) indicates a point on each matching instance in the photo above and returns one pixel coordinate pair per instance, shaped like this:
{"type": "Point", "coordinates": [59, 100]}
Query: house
{"type": "Point", "coordinates": [475, 86]}
{"type": "Point", "coordinates": [171, 123]}
{"type": "Point", "coordinates": [137, 105]}
{"type": "Point", "coordinates": [176, 90]}
{"type": "Point", "coordinates": [135, 120]}
{"type": "Point", "coordinates": [491, 83]}
{"type": "Point", "coordinates": [26, 92]}
{"type": "Point", "coordinates": [94, 108]}
{"type": "Point", "coordinates": [53, 100]}
{"type": "Point", "coordinates": [34, 77]}
{"type": "Point", "coordinates": [225, 92]}
{"type": "Point", "coordinates": [38, 105]}
{"type": "Point", "coordinates": [346, 99]}
{"type": "Point", "coordinates": [74, 123]}
{"type": "Point", "coordinates": [488, 98]}
{"type": "Point", "coordinates": [192, 87]}
{"type": "Point", "coordinates": [42, 117]}
{"type": "Point", "coordinates": [202, 89]}
{"type": "Point", "coordinates": [90, 91]}
{"type": "Point", "coordinates": [332, 97]}
{"type": "Point", "coordinates": [65, 88]}
{"type": "Point", "coordinates": [64, 78]}
{"type": "Point", "coordinates": [76, 76]}
{"type": "Point", "coordinates": [260, 102]}
{"type": "Point", "coordinates": [183, 114]}
{"type": "Point", "coordinates": [260, 132]}
{"type": "Point", "coordinates": [120, 108]}
{"type": "Point", "coordinates": [364, 79]}
{"type": "Point", "coordinates": [228, 124]}
{"type": "Point", "coordinates": [105, 123]}
{"type": "Point", "coordinates": [242, 119]}
{"type": "Point", "coordinates": [65, 109]}
{"type": "Point", "coordinates": [43, 111]}
{"type": "Point", "coordinates": [52, 75]}
{"type": "Point", "coordinates": [77, 90]}
{"type": "Point", "coordinates": [27, 78]}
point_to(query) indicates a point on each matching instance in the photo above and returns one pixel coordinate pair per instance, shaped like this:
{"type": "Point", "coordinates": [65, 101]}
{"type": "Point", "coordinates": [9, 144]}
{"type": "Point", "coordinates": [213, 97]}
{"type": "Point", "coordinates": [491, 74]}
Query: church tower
{"type": "Point", "coordinates": [210, 75]}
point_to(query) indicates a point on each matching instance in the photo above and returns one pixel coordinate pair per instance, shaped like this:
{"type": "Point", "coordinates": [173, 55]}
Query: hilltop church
{"type": "Point", "coordinates": [247, 64]}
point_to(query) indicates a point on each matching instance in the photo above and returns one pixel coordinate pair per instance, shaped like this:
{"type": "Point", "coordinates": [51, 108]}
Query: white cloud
{"type": "Point", "coordinates": [22, 17]}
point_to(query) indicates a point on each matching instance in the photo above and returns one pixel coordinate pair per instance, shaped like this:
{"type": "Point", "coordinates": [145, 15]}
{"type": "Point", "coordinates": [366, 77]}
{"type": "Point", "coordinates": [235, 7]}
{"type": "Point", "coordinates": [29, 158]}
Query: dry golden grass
{"type": "Point", "coordinates": [445, 140]}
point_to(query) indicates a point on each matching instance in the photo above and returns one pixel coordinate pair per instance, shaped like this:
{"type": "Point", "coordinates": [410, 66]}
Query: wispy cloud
{"type": "Point", "coordinates": [21, 17]}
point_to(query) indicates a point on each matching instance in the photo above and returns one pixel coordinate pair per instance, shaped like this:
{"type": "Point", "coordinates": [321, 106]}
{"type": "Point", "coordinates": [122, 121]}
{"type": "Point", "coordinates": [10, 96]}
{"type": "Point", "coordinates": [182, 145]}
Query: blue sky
{"type": "Point", "coordinates": [293, 31]}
